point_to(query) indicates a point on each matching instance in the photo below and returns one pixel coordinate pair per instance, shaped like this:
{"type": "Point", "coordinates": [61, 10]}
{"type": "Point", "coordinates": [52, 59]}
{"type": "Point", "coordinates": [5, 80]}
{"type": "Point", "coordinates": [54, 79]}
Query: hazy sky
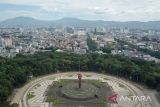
{"type": "Point", "coordinates": [115, 10]}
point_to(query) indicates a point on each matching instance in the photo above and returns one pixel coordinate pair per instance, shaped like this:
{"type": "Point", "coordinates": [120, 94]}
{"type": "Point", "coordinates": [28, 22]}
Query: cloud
{"type": "Point", "coordinates": [118, 10]}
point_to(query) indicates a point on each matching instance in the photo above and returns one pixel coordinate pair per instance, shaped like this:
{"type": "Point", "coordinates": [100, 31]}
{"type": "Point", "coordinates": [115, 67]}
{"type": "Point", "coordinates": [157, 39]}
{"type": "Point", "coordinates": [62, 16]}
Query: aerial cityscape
{"type": "Point", "coordinates": [93, 54]}
{"type": "Point", "coordinates": [131, 42]}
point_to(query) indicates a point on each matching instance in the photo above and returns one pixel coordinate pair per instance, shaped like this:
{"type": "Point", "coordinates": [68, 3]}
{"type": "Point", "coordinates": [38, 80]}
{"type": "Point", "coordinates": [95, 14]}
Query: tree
{"type": "Point", "coordinates": [150, 81]}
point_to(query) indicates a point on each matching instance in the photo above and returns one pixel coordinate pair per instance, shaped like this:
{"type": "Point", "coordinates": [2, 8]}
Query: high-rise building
{"type": "Point", "coordinates": [2, 44]}
{"type": "Point", "coordinates": [8, 41]}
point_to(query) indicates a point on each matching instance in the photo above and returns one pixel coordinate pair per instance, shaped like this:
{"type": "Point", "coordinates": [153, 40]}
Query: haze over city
{"type": "Point", "coordinates": [110, 10]}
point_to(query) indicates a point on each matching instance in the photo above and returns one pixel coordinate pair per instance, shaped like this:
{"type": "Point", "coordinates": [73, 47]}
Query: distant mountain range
{"type": "Point", "coordinates": [31, 22]}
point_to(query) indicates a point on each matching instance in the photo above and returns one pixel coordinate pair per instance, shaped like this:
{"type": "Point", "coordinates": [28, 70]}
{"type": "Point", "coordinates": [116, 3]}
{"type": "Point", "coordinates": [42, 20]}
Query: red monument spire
{"type": "Point", "coordinates": [79, 80]}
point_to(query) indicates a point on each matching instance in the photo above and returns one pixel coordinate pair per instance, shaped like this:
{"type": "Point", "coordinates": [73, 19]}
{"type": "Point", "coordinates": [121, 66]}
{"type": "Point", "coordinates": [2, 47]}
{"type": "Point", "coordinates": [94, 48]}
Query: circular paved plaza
{"type": "Point", "coordinates": [36, 93]}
